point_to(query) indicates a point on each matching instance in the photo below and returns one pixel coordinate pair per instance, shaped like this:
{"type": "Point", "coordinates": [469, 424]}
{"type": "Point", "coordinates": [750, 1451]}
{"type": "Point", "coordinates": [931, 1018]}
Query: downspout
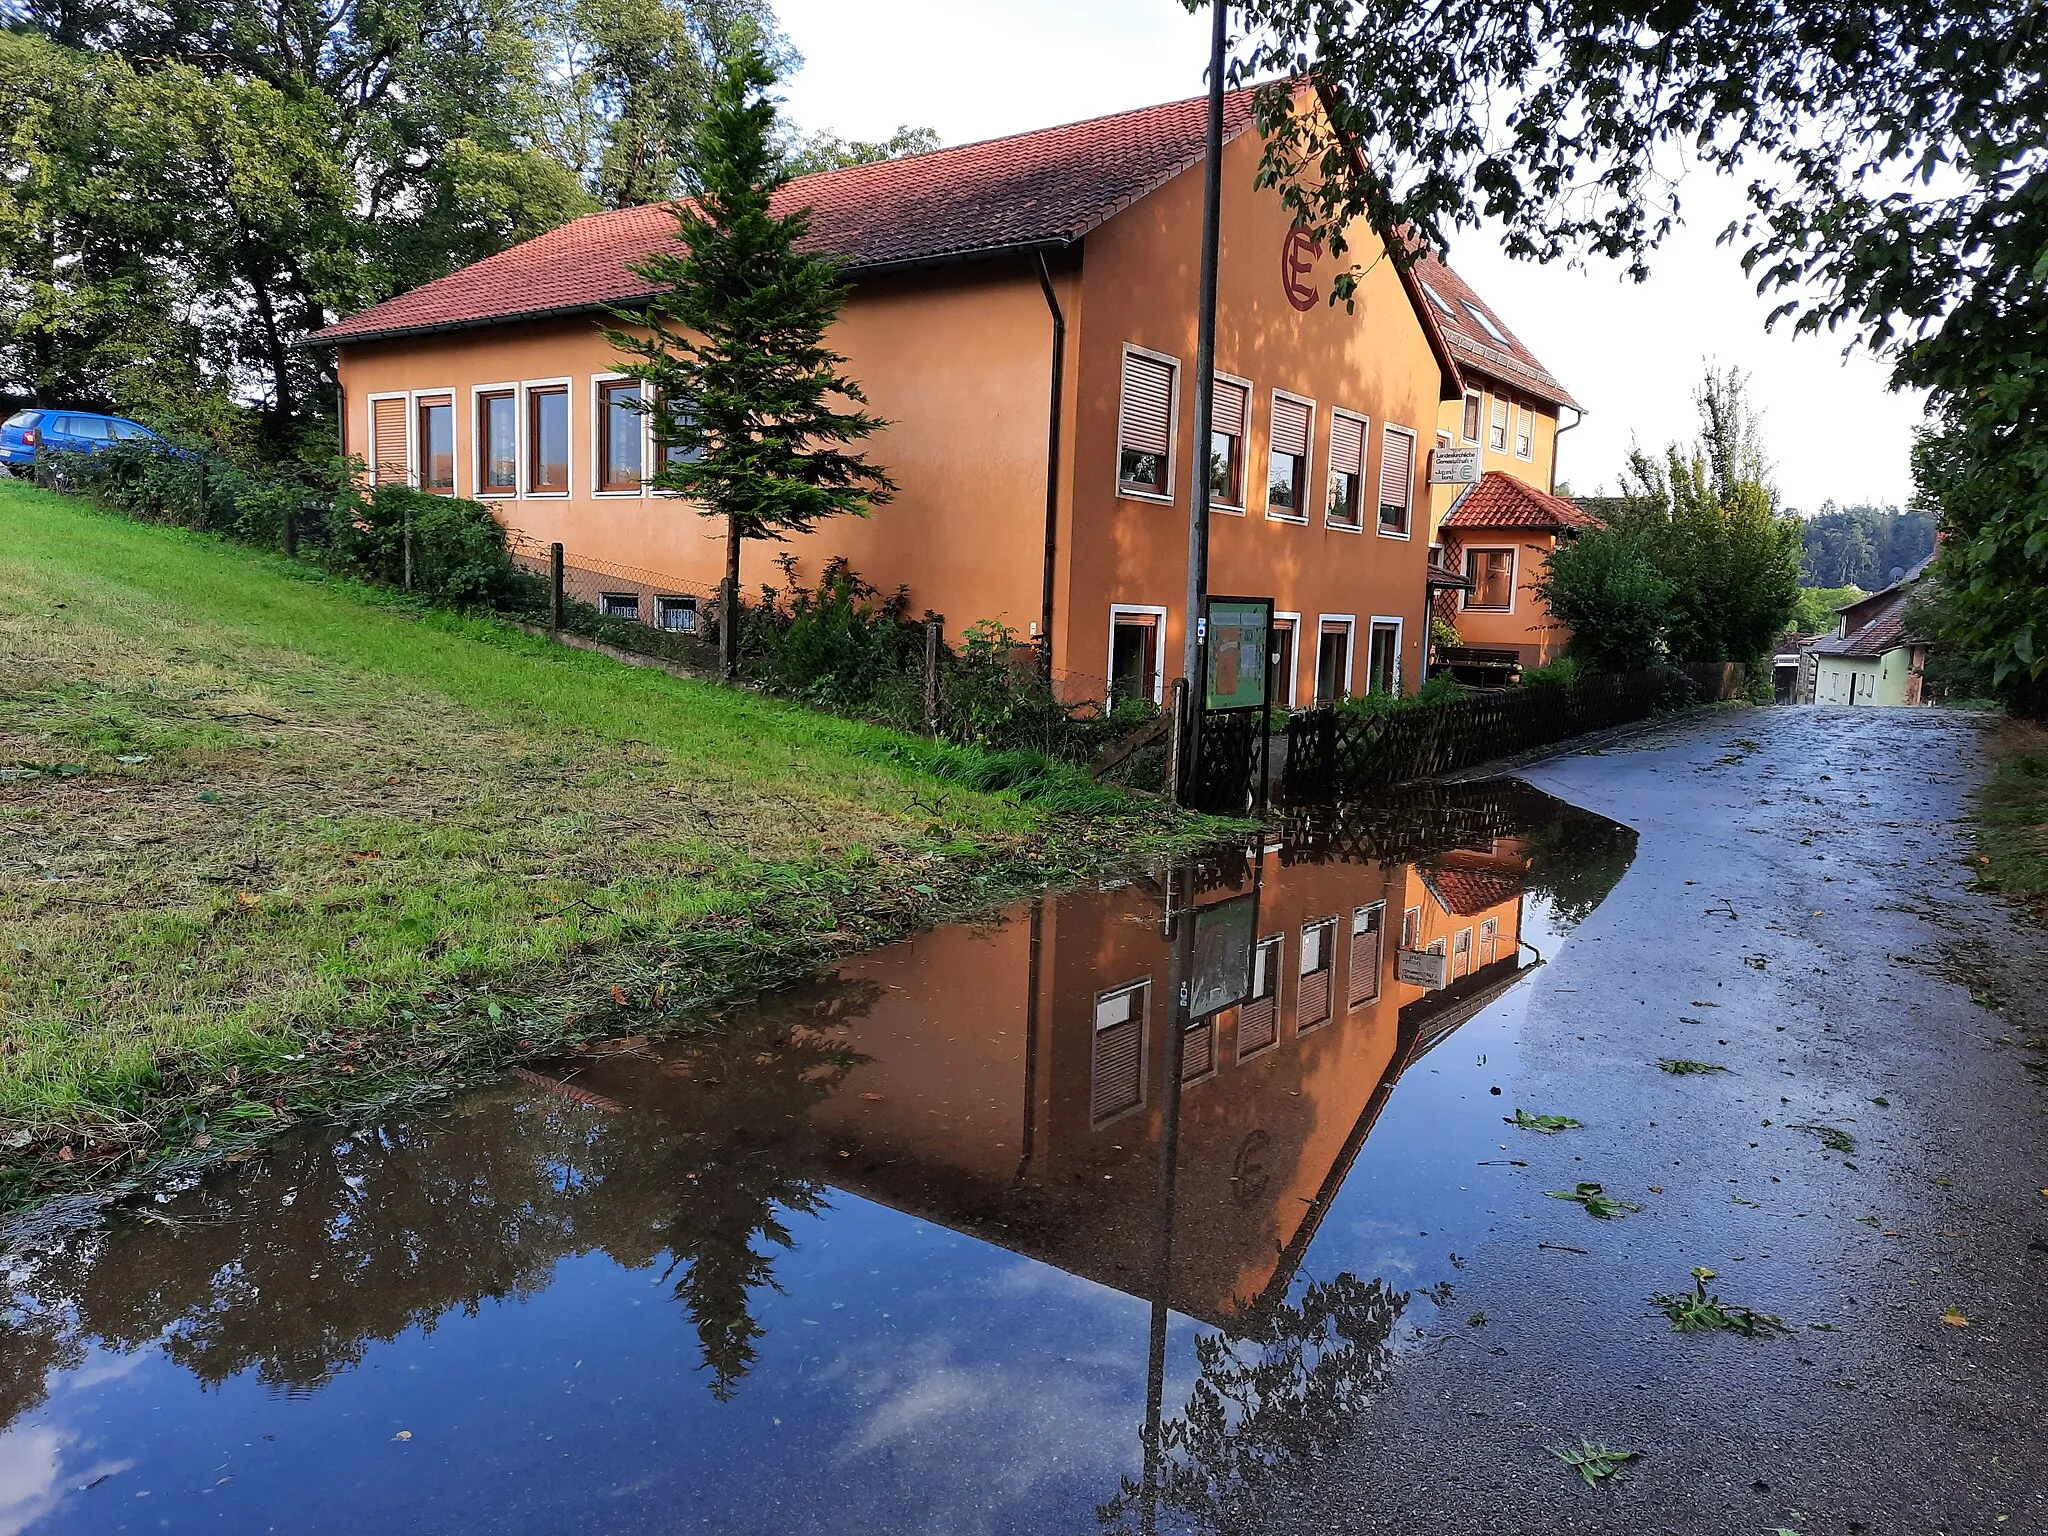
{"type": "Point", "coordinates": [1052, 464]}
{"type": "Point", "coordinates": [1560, 432]}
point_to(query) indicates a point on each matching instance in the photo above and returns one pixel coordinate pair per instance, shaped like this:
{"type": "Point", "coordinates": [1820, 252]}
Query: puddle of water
{"type": "Point", "coordinates": [960, 1238]}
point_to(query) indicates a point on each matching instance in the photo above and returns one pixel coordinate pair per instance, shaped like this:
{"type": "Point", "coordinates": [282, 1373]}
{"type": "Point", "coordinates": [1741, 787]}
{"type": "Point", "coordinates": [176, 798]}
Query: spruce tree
{"type": "Point", "coordinates": [745, 395]}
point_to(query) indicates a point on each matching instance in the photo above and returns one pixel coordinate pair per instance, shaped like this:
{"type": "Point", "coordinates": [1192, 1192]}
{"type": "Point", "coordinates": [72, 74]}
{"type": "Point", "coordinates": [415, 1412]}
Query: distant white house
{"type": "Point", "coordinates": [1871, 658]}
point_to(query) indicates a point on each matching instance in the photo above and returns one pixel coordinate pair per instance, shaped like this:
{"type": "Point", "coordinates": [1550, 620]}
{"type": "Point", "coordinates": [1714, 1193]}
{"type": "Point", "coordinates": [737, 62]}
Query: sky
{"type": "Point", "coordinates": [1632, 354]}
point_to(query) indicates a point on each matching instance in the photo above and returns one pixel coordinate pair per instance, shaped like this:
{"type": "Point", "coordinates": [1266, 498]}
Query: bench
{"type": "Point", "coordinates": [1480, 666]}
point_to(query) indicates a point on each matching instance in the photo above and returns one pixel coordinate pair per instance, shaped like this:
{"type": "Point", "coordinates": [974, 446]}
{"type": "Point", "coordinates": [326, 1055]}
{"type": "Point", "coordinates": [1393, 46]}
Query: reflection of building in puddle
{"type": "Point", "coordinates": [1010, 1080]}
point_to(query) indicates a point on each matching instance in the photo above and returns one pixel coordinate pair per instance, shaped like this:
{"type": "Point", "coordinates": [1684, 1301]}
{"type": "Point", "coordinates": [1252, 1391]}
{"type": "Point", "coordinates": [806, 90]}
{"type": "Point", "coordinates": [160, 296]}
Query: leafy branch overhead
{"type": "Point", "coordinates": [1892, 159]}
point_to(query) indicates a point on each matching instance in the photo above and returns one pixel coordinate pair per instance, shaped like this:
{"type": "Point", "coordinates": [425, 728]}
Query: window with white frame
{"type": "Point", "coordinates": [621, 431]}
{"type": "Point", "coordinates": [390, 441]}
{"type": "Point", "coordinates": [1474, 416]}
{"type": "Point", "coordinates": [1489, 942]}
{"type": "Point", "coordinates": [497, 442]}
{"type": "Point", "coordinates": [1368, 950]}
{"type": "Point", "coordinates": [1258, 1016]}
{"type": "Point", "coordinates": [1136, 640]}
{"type": "Point", "coordinates": [1145, 422]}
{"type": "Point", "coordinates": [676, 614]}
{"type": "Point", "coordinates": [1117, 1069]}
{"type": "Point", "coordinates": [1383, 657]}
{"type": "Point", "coordinates": [1497, 426]}
{"type": "Point", "coordinates": [1397, 480]}
{"type": "Point", "coordinates": [619, 605]}
{"type": "Point", "coordinates": [1347, 470]}
{"type": "Point", "coordinates": [547, 439]}
{"type": "Point", "coordinates": [1232, 410]}
{"type": "Point", "coordinates": [434, 432]}
{"type": "Point", "coordinates": [1492, 574]}
{"type": "Point", "coordinates": [1318, 964]}
{"type": "Point", "coordinates": [1461, 953]}
{"type": "Point", "coordinates": [1287, 457]}
{"type": "Point", "coordinates": [1525, 432]}
{"type": "Point", "coordinates": [1411, 927]}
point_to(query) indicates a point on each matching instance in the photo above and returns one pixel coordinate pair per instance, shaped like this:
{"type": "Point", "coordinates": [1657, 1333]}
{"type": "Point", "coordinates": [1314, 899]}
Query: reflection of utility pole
{"type": "Point", "coordinates": [1031, 1040]}
{"type": "Point", "coordinates": [1192, 641]}
{"type": "Point", "coordinates": [1180, 934]}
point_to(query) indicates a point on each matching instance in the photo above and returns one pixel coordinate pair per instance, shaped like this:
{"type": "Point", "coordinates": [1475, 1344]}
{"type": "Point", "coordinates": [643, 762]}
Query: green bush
{"type": "Point", "coordinates": [456, 549]}
{"type": "Point", "coordinates": [1605, 587]}
{"type": "Point", "coordinates": [1561, 673]}
{"type": "Point", "coordinates": [834, 645]}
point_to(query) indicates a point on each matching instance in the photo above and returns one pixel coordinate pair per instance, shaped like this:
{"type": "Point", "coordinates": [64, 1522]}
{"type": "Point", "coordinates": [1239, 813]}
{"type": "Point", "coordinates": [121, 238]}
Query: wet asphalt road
{"type": "Point", "coordinates": [1803, 871]}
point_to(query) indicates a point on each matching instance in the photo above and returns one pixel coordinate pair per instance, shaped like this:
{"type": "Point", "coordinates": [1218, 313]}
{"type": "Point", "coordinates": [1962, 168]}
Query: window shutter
{"type": "Point", "coordinates": [1198, 1051]}
{"type": "Point", "coordinates": [1347, 445]}
{"type": "Point", "coordinates": [1397, 468]}
{"type": "Point", "coordinates": [1147, 404]}
{"type": "Point", "coordinates": [1230, 408]}
{"type": "Point", "coordinates": [1119, 1054]}
{"type": "Point", "coordinates": [1365, 954]}
{"type": "Point", "coordinates": [388, 437]}
{"type": "Point", "coordinates": [1257, 1026]}
{"type": "Point", "coordinates": [1290, 427]}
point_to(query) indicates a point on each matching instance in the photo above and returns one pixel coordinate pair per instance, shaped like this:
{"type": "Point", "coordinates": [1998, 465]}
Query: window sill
{"type": "Point", "coordinates": [1475, 608]}
{"type": "Point", "coordinates": [1217, 506]}
{"type": "Point", "coordinates": [1158, 498]}
{"type": "Point", "coordinates": [618, 495]}
{"type": "Point", "coordinates": [1394, 533]}
{"type": "Point", "coordinates": [499, 495]}
{"type": "Point", "coordinates": [545, 496]}
{"type": "Point", "coordinates": [1343, 527]}
{"type": "Point", "coordinates": [1299, 519]}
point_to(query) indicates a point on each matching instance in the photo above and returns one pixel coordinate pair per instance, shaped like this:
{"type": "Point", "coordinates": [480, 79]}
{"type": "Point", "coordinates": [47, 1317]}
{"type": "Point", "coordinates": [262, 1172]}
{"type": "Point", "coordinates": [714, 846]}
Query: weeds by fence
{"type": "Point", "coordinates": [1335, 755]}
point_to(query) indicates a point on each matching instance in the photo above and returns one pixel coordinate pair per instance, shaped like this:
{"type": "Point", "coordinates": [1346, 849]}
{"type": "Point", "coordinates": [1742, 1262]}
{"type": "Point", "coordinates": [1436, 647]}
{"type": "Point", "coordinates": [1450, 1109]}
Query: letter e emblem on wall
{"type": "Point", "coordinates": [1298, 256]}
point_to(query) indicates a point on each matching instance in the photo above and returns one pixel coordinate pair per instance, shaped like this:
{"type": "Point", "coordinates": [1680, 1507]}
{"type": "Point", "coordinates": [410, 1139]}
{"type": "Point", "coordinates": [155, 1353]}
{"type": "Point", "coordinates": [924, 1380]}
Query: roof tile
{"type": "Point", "coordinates": [1474, 346]}
{"type": "Point", "coordinates": [1500, 501]}
{"type": "Point", "coordinates": [1046, 187]}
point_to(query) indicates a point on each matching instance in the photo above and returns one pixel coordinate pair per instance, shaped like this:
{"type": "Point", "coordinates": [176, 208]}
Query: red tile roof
{"type": "Point", "coordinates": [1469, 892]}
{"type": "Point", "coordinates": [1045, 188]}
{"type": "Point", "coordinates": [1500, 501]}
{"type": "Point", "coordinates": [1475, 347]}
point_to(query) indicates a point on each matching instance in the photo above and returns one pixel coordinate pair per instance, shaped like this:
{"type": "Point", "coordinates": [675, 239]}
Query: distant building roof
{"type": "Point", "coordinates": [1500, 501]}
{"type": "Point", "coordinates": [1883, 628]}
{"type": "Point", "coordinates": [1480, 340]}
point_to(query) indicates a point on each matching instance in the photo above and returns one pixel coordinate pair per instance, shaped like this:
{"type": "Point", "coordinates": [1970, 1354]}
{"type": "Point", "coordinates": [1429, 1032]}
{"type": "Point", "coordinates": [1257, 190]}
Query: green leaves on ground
{"type": "Point", "coordinates": [1697, 1312]}
{"type": "Point", "coordinates": [1679, 1066]}
{"type": "Point", "coordinates": [1595, 1199]}
{"type": "Point", "coordinates": [1594, 1461]}
{"type": "Point", "coordinates": [1548, 1125]}
{"type": "Point", "coordinates": [1828, 1136]}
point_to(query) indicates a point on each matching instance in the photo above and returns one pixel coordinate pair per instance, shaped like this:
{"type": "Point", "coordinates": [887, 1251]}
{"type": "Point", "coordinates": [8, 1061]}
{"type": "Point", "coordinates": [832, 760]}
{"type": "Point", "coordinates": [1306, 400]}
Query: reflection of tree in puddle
{"type": "Point", "coordinates": [1575, 859]}
{"type": "Point", "coordinates": [1274, 1397]}
{"type": "Point", "coordinates": [291, 1267]}
{"type": "Point", "coordinates": [733, 1175]}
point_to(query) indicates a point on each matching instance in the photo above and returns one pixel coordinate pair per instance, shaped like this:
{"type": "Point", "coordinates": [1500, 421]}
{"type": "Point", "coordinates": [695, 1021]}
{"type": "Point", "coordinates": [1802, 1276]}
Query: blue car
{"type": "Point", "coordinates": [23, 433]}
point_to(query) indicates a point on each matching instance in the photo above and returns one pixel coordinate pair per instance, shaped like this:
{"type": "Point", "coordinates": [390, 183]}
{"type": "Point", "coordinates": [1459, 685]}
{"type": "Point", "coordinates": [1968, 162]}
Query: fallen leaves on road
{"type": "Point", "coordinates": [1955, 1319]}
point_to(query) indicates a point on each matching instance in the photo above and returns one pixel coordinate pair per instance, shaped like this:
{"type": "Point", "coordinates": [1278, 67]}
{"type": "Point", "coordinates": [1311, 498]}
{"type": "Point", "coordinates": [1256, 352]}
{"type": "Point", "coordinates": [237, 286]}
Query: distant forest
{"type": "Point", "coordinates": [1863, 546]}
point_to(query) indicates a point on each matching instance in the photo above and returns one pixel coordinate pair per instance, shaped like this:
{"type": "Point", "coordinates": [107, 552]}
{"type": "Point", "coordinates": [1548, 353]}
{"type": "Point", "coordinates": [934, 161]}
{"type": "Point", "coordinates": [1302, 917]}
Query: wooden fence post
{"type": "Point", "coordinates": [291, 529]}
{"type": "Point", "coordinates": [932, 630]}
{"type": "Point", "coordinates": [555, 598]}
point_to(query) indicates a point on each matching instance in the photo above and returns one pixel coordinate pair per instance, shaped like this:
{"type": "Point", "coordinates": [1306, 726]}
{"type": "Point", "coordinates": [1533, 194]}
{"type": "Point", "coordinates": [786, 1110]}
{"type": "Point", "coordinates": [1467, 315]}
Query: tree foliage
{"type": "Point", "coordinates": [1861, 546]}
{"type": "Point", "coordinates": [1607, 590]}
{"type": "Point", "coordinates": [1896, 163]}
{"type": "Point", "coordinates": [746, 395]}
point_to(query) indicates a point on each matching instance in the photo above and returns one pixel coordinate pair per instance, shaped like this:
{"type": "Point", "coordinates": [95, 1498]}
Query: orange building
{"type": "Point", "coordinates": [1496, 526]}
{"type": "Point", "coordinates": [980, 274]}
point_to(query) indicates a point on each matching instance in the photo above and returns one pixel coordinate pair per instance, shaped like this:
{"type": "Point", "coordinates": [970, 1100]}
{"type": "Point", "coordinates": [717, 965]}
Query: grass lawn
{"type": "Point", "coordinates": [2012, 816]}
{"type": "Point", "coordinates": [272, 843]}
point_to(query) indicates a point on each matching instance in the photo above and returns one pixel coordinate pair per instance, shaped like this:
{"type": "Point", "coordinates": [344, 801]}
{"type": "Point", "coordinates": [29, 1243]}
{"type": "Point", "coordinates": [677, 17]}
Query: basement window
{"type": "Point", "coordinates": [676, 614]}
{"type": "Point", "coordinates": [619, 605]}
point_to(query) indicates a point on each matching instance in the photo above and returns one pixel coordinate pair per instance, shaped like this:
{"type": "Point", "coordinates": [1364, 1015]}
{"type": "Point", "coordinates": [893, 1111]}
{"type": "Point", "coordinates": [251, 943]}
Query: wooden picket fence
{"type": "Point", "coordinates": [1335, 757]}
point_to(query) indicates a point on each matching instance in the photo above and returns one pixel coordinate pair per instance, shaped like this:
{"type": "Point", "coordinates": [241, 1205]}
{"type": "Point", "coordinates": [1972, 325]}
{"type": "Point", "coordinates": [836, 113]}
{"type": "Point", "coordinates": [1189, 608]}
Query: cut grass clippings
{"type": "Point", "coordinates": [1833, 1139]}
{"type": "Point", "coordinates": [272, 843]}
{"type": "Point", "coordinates": [1697, 1312]}
{"type": "Point", "coordinates": [1678, 1066]}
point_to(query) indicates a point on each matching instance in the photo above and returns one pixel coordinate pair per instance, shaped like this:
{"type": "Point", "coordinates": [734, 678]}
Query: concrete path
{"type": "Point", "coordinates": [1799, 911]}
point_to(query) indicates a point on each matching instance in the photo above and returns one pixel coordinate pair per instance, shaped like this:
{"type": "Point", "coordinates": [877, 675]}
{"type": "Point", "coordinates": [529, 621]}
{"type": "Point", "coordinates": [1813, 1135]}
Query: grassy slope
{"type": "Point", "coordinates": [265, 837]}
